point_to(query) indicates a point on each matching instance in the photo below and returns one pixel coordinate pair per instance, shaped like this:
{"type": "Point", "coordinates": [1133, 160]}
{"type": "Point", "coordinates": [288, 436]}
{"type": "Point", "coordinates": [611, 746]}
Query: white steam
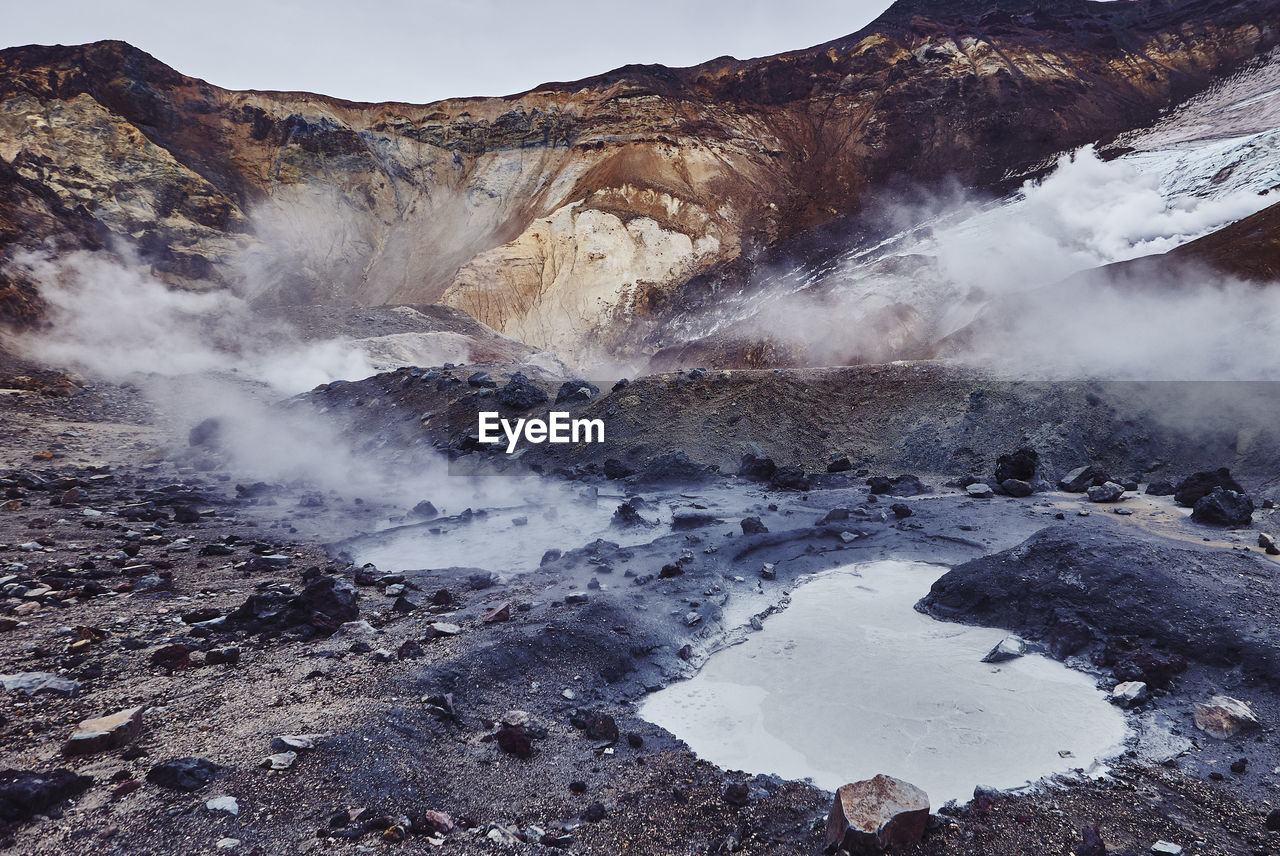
{"type": "Point", "coordinates": [955, 266]}
{"type": "Point", "coordinates": [114, 321]}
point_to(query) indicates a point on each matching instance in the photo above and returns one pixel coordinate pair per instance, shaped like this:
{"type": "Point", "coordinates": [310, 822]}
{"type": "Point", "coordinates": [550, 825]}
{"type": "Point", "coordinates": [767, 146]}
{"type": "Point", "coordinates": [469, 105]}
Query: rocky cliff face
{"type": "Point", "coordinates": [567, 215]}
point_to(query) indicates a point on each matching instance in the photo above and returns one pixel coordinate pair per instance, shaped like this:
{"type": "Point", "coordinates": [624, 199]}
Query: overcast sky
{"type": "Point", "coordinates": [398, 50]}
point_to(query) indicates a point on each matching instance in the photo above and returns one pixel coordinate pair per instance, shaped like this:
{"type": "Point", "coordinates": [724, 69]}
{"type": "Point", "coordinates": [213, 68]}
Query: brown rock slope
{"type": "Point", "coordinates": [560, 215]}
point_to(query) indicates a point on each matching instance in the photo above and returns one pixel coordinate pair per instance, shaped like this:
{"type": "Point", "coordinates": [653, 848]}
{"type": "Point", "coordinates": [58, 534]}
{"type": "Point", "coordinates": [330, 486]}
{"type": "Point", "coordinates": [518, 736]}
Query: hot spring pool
{"type": "Point", "coordinates": [850, 681]}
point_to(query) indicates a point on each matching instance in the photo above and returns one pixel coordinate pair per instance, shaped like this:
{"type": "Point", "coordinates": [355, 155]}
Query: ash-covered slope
{"type": "Point", "coordinates": [565, 214]}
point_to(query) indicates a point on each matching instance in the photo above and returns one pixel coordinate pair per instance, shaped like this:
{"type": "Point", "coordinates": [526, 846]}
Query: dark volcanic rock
{"type": "Point", "coordinates": [183, 774]}
{"type": "Point", "coordinates": [904, 485]}
{"type": "Point", "coordinates": [24, 793]}
{"type": "Point", "coordinates": [520, 393]}
{"type": "Point", "coordinates": [1193, 487]}
{"type": "Point", "coordinates": [1016, 487]}
{"type": "Point", "coordinates": [757, 468]}
{"type": "Point", "coordinates": [674, 468]}
{"type": "Point", "coordinates": [1020, 465]}
{"type": "Point", "coordinates": [1224, 508]}
{"type": "Point", "coordinates": [753, 526]}
{"type": "Point", "coordinates": [576, 391]}
{"type": "Point", "coordinates": [1083, 591]}
{"type": "Point", "coordinates": [1082, 478]}
{"type": "Point", "coordinates": [325, 604]}
{"type": "Point", "coordinates": [1161, 488]}
{"type": "Point", "coordinates": [790, 478]}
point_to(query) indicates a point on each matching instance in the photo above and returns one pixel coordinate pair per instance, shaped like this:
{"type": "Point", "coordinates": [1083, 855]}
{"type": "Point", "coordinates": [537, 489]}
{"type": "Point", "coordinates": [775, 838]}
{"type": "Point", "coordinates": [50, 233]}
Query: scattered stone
{"type": "Point", "coordinates": [106, 732]}
{"type": "Point", "coordinates": [1239, 765]}
{"type": "Point", "coordinates": [575, 598]}
{"type": "Point", "coordinates": [225, 656]}
{"type": "Point", "coordinates": [675, 468]}
{"type": "Point", "coordinates": [980, 490]}
{"type": "Point", "coordinates": [294, 742]}
{"type": "Point", "coordinates": [424, 510]}
{"type": "Point", "coordinates": [1091, 843]}
{"type": "Point", "coordinates": [227, 843]}
{"type": "Point", "coordinates": [226, 804]}
{"type": "Point", "coordinates": [482, 380]}
{"type": "Point", "coordinates": [692, 619]}
{"type": "Point", "coordinates": [753, 526]}
{"type": "Point", "coordinates": [1106, 492]}
{"type": "Point", "coordinates": [1224, 716]}
{"type": "Point", "coordinates": [901, 510]}
{"type": "Point", "coordinates": [1268, 544]}
{"type": "Point", "coordinates": [840, 465]}
{"type": "Point", "coordinates": [175, 656]}
{"type": "Point", "coordinates": [500, 613]}
{"type": "Point", "coordinates": [1130, 693]}
{"type": "Point", "coordinates": [768, 571]}
{"type": "Point", "coordinates": [1008, 648]}
{"type": "Point", "coordinates": [737, 794]}
{"type": "Point", "coordinates": [1222, 507]}
{"type": "Point", "coordinates": [443, 628]}
{"type": "Point", "coordinates": [1166, 848]}
{"type": "Point", "coordinates": [39, 682]}
{"type": "Point", "coordinates": [835, 515]}
{"type": "Point", "coordinates": [594, 813]}
{"type": "Point", "coordinates": [183, 774]}
{"type": "Point", "coordinates": [24, 793]}
{"type": "Point", "coordinates": [515, 740]}
{"type": "Point", "coordinates": [601, 726]}
{"type": "Point", "coordinates": [1273, 820]}
{"type": "Point", "coordinates": [877, 814]}
{"type": "Point", "coordinates": [279, 760]}
{"type": "Point", "coordinates": [1160, 488]}
{"type": "Point", "coordinates": [790, 478]}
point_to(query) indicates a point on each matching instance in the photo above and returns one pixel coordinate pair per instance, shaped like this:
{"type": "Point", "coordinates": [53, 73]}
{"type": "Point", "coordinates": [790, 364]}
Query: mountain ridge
{"type": "Point", "coordinates": [569, 214]}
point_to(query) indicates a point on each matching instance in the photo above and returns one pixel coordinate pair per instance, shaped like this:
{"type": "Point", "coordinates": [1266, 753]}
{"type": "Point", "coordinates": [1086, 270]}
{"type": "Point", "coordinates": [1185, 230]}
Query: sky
{"type": "Point", "coordinates": [399, 50]}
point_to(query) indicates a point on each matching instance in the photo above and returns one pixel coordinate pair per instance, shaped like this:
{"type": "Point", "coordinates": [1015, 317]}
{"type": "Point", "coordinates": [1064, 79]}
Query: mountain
{"type": "Point", "coordinates": [579, 216]}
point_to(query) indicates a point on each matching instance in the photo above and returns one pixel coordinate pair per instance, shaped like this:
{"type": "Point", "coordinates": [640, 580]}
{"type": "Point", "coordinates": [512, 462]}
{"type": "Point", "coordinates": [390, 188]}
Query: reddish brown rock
{"type": "Point", "coordinates": [105, 732]}
{"type": "Point", "coordinates": [877, 814]}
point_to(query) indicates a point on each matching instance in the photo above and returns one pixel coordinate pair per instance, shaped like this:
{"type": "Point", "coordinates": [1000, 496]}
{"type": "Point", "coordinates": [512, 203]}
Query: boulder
{"type": "Point", "coordinates": [980, 490]}
{"type": "Point", "coordinates": [24, 793]}
{"type": "Point", "coordinates": [675, 468]}
{"type": "Point", "coordinates": [753, 526]}
{"type": "Point", "coordinates": [521, 394]}
{"type": "Point", "coordinates": [1160, 488]}
{"type": "Point", "coordinates": [1016, 487]}
{"type": "Point", "coordinates": [105, 732]}
{"type": "Point", "coordinates": [903, 485]}
{"type": "Point", "coordinates": [1223, 716]}
{"type": "Point", "coordinates": [1197, 485]}
{"type": "Point", "coordinates": [1268, 544]}
{"type": "Point", "coordinates": [1106, 492]}
{"type": "Point", "coordinates": [877, 814]}
{"type": "Point", "coordinates": [757, 468]}
{"type": "Point", "coordinates": [840, 465]}
{"type": "Point", "coordinates": [1082, 478]}
{"type": "Point", "coordinates": [1019, 466]}
{"type": "Point", "coordinates": [1222, 507]}
{"type": "Point", "coordinates": [1009, 648]}
{"type": "Point", "coordinates": [576, 390]}
{"type": "Point", "coordinates": [790, 478]}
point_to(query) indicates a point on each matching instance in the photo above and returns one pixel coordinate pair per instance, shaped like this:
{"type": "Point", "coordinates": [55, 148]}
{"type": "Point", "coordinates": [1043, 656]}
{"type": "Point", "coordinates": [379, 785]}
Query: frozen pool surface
{"type": "Point", "coordinates": [850, 681]}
